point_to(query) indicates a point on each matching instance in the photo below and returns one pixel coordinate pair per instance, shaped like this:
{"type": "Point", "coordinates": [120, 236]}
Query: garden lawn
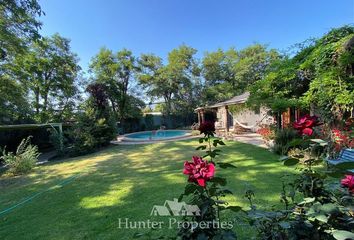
{"type": "Point", "coordinates": [126, 182]}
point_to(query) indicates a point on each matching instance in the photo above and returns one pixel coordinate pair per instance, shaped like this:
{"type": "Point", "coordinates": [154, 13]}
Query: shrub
{"type": "Point", "coordinates": [339, 137]}
{"type": "Point", "coordinates": [286, 139]}
{"type": "Point", "coordinates": [95, 127]}
{"type": "Point", "coordinates": [24, 159]}
{"type": "Point", "coordinates": [58, 140]}
{"type": "Point", "coordinates": [267, 133]}
{"type": "Point", "coordinates": [320, 211]}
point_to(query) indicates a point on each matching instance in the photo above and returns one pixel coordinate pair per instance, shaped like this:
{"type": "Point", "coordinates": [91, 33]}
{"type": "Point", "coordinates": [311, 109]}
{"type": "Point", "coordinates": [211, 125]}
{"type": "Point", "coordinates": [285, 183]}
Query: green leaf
{"type": "Point", "coordinates": [334, 174]}
{"type": "Point", "coordinates": [321, 218]}
{"type": "Point", "coordinates": [342, 235]}
{"type": "Point", "coordinates": [329, 208]}
{"type": "Point", "coordinates": [307, 200]}
{"type": "Point", "coordinates": [190, 188]}
{"type": "Point", "coordinates": [201, 140]}
{"type": "Point", "coordinates": [291, 162]}
{"type": "Point", "coordinates": [219, 180]}
{"type": "Point", "coordinates": [203, 147]}
{"type": "Point", "coordinates": [226, 165]}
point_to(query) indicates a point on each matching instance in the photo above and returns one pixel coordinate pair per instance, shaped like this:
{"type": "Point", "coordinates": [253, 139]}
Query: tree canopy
{"type": "Point", "coordinates": [229, 73]}
{"type": "Point", "coordinates": [319, 75]}
{"type": "Point", "coordinates": [18, 25]}
{"type": "Point", "coordinates": [174, 82]}
{"type": "Point", "coordinates": [48, 71]}
{"type": "Point", "coordinates": [117, 72]}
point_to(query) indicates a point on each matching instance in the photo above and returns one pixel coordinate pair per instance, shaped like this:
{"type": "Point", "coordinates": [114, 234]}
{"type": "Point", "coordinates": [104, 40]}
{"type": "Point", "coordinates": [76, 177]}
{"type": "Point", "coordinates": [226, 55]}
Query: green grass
{"type": "Point", "coordinates": [125, 182]}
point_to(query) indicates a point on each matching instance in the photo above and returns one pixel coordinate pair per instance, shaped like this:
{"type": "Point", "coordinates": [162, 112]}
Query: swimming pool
{"type": "Point", "coordinates": [157, 135]}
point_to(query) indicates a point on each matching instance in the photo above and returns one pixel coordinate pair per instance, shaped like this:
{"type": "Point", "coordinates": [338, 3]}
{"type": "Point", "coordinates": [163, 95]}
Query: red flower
{"type": "Point", "coordinates": [342, 139]}
{"type": "Point", "coordinates": [207, 127]}
{"type": "Point", "coordinates": [199, 171]}
{"type": "Point", "coordinates": [348, 182]}
{"type": "Point", "coordinates": [305, 124]}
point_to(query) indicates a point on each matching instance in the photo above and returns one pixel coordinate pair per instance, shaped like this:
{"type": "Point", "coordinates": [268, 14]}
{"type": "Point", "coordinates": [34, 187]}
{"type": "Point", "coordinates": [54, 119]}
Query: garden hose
{"type": "Point", "coordinates": [30, 198]}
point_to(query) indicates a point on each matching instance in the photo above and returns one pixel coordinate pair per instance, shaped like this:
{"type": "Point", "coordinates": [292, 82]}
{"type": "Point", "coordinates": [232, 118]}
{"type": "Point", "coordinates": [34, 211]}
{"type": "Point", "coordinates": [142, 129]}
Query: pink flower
{"type": "Point", "coordinates": [199, 171]}
{"type": "Point", "coordinates": [305, 124]}
{"type": "Point", "coordinates": [348, 182]}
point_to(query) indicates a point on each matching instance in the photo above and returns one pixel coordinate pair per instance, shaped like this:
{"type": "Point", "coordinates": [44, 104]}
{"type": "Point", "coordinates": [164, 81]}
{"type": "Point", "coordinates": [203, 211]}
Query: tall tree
{"type": "Point", "coordinates": [230, 72]}
{"type": "Point", "coordinates": [49, 71]}
{"type": "Point", "coordinates": [18, 25]}
{"type": "Point", "coordinates": [171, 80]}
{"type": "Point", "coordinates": [319, 75]}
{"type": "Point", "coordinates": [95, 126]}
{"type": "Point", "coordinates": [116, 71]}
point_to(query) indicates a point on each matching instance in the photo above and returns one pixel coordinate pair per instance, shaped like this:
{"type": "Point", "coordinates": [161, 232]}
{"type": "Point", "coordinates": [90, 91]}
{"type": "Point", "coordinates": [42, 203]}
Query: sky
{"type": "Point", "coordinates": [158, 26]}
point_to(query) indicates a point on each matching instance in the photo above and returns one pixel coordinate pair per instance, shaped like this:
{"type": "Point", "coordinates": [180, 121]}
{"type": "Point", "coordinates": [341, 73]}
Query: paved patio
{"type": "Point", "coordinates": [250, 138]}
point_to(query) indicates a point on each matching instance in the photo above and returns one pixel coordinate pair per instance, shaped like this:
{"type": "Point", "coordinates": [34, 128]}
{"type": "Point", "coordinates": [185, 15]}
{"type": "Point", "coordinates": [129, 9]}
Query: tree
{"type": "Point", "coordinates": [116, 72]}
{"type": "Point", "coordinates": [228, 73]}
{"type": "Point", "coordinates": [95, 127]}
{"type": "Point", "coordinates": [331, 63]}
{"type": "Point", "coordinates": [319, 75]}
{"type": "Point", "coordinates": [49, 71]}
{"type": "Point", "coordinates": [18, 25]}
{"type": "Point", "coordinates": [13, 105]}
{"type": "Point", "coordinates": [175, 81]}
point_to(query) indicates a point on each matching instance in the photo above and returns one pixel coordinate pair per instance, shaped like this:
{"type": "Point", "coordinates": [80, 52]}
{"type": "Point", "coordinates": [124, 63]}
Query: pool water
{"type": "Point", "coordinates": [157, 135]}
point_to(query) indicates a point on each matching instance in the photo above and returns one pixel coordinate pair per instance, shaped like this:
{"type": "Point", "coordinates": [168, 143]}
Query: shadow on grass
{"type": "Point", "coordinates": [124, 182]}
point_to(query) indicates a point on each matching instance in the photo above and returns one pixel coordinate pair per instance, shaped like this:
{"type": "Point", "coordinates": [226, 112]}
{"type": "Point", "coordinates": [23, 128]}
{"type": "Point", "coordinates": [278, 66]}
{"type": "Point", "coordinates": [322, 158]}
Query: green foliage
{"type": "Point", "coordinates": [116, 71]}
{"type": "Point", "coordinates": [237, 108]}
{"type": "Point", "coordinates": [149, 121]}
{"type": "Point", "coordinates": [332, 63]}
{"type": "Point", "coordinates": [95, 127]}
{"type": "Point", "coordinates": [23, 160]}
{"type": "Point", "coordinates": [323, 212]}
{"type": "Point", "coordinates": [285, 139]}
{"type": "Point", "coordinates": [280, 88]}
{"type": "Point", "coordinates": [18, 26]}
{"type": "Point", "coordinates": [13, 104]}
{"type": "Point", "coordinates": [176, 82]}
{"type": "Point", "coordinates": [228, 73]}
{"type": "Point", "coordinates": [320, 75]}
{"type": "Point", "coordinates": [58, 140]}
{"type": "Point", "coordinates": [49, 71]}
{"type": "Point", "coordinates": [209, 199]}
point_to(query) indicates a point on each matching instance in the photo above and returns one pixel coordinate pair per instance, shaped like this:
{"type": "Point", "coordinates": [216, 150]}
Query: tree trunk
{"type": "Point", "coordinates": [36, 93]}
